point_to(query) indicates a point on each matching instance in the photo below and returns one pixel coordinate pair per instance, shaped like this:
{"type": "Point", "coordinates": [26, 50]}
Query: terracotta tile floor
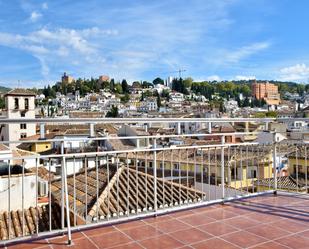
{"type": "Point", "coordinates": [262, 222]}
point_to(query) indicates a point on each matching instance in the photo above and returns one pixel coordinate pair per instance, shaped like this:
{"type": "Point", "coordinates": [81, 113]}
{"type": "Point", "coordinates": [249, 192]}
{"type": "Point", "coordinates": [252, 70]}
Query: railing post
{"type": "Point", "coordinates": [222, 167]}
{"type": "Point", "coordinates": [42, 131]}
{"type": "Point", "coordinates": [91, 128]}
{"type": "Point", "coordinates": [155, 175]}
{"type": "Point", "coordinates": [275, 164]}
{"type": "Point", "coordinates": [209, 127]}
{"type": "Point", "coordinates": [65, 195]}
{"type": "Point", "coordinates": [178, 128]}
{"type": "Point", "coordinates": [62, 186]}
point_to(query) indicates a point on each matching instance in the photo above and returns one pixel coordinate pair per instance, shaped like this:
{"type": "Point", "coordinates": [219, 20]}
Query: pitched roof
{"type": "Point", "coordinates": [43, 173]}
{"type": "Point", "coordinates": [61, 129]}
{"type": "Point", "coordinates": [211, 156]}
{"type": "Point", "coordinates": [283, 182]}
{"type": "Point", "coordinates": [20, 92]}
{"type": "Point", "coordinates": [135, 191]}
{"type": "Point", "coordinates": [121, 144]}
{"type": "Point", "coordinates": [11, 224]}
{"type": "Point", "coordinates": [4, 147]}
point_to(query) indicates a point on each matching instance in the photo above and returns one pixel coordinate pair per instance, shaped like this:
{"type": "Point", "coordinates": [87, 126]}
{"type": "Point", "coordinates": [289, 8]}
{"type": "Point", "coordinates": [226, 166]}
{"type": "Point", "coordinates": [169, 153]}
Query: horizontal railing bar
{"type": "Point", "coordinates": [104, 153]}
{"type": "Point", "coordinates": [144, 120]}
{"type": "Point", "coordinates": [138, 120]}
{"type": "Point", "coordinates": [128, 137]}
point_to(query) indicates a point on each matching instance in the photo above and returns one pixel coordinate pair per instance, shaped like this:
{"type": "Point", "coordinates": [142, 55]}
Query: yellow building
{"type": "Point", "coordinates": [37, 147]}
{"type": "Point", "coordinates": [241, 167]}
{"type": "Point", "coordinates": [67, 79]}
{"type": "Point", "coordinates": [298, 164]}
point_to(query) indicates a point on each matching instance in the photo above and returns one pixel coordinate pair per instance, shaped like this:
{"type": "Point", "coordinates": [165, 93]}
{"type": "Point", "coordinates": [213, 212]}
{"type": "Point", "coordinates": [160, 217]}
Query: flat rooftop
{"type": "Point", "coordinates": [266, 221]}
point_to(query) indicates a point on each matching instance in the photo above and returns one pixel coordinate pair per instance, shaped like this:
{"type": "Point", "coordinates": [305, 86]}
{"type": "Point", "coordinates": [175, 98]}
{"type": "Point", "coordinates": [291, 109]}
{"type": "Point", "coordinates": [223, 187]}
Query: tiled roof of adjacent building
{"type": "Point", "coordinates": [283, 182]}
{"type": "Point", "coordinates": [134, 188]}
{"type": "Point", "coordinates": [62, 128]}
{"type": "Point", "coordinates": [205, 156]}
{"type": "Point", "coordinates": [17, 223]}
{"type": "Point", "coordinates": [20, 92]}
{"type": "Point", "coordinates": [4, 147]}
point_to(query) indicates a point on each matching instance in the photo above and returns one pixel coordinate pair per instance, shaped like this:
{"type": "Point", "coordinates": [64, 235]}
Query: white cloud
{"type": "Point", "coordinates": [145, 44]}
{"type": "Point", "coordinates": [244, 52]}
{"type": "Point", "coordinates": [297, 72]}
{"type": "Point", "coordinates": [244, 77]}
{"type": "Point", "coordinates": [49, 46]}
{"type": "Point", "coordinates": [44, 6]}
{"type": "Point", "coordinates": [213, 78]}
{"type": "Point", "coordinates": [34, 16]}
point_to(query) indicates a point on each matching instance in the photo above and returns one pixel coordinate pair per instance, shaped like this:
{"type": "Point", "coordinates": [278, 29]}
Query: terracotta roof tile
{"type": "Point", "coordinates": [134, 188]}
{"type": "Point", "coordinates": [20, 91]}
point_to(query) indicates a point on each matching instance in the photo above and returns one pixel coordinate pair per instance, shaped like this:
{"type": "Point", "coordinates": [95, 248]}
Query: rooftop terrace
{"type": "Point", "coordinates": [266, 221]}
{"type": "Point", "coordinates": [156, 195]}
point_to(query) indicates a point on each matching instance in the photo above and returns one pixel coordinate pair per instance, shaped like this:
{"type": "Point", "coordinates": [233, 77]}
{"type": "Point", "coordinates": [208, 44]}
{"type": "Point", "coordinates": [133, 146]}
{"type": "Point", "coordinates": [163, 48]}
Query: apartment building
{"type": "Point", "coordinates": [267, 91]}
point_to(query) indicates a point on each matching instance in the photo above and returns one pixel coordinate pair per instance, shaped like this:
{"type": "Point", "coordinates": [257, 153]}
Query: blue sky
{"type": "Point", "coordinates": [143, 39]}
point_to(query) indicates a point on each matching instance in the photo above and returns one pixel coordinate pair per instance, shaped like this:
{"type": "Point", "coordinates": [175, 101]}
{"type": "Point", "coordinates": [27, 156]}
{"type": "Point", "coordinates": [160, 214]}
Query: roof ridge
{"type": "Point", "coordinates": [104, 193]}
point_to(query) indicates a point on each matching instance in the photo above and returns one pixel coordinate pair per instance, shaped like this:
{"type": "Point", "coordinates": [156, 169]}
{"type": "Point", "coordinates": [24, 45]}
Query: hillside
{"type": "Point", "coordinates": [4, 89]}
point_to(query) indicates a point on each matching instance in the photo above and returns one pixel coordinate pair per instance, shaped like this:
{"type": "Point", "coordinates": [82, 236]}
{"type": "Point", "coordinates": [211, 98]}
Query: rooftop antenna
{"type": "Point", "coordinates": [178, 71]}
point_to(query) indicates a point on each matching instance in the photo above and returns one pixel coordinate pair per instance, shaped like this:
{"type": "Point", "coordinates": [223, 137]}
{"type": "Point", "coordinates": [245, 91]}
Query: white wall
{"type": "Point", "coordinates": [16, 192]}
{"type": "Point", "coordinates": [12, 132]}
{"type": "Point", "coordinates": [5, 154]}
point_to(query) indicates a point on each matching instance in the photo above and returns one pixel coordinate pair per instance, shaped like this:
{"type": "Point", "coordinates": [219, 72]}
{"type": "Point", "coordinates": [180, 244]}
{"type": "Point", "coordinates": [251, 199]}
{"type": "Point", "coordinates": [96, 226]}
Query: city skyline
{"type": "Point", "coordinates": [140, 41]}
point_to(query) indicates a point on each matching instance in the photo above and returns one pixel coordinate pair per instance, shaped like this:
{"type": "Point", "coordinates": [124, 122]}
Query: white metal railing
{"type": "Point", "coordinates": [102, 187]}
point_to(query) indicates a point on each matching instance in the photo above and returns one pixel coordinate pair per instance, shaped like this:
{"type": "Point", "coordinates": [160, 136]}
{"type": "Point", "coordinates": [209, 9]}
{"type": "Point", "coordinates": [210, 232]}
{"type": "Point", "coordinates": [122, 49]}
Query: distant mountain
{"type": "Point", "coordinates": [4, 89]}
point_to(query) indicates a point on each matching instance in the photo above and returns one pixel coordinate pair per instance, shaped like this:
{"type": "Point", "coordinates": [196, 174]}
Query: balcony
{"type": "Point", "coordinates": [200, 194]}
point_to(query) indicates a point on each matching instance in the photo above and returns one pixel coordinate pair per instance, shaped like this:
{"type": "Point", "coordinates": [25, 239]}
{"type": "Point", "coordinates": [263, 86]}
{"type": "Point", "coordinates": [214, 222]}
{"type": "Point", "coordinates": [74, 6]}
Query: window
{"type": "Point", "coordinates": [252, 174]}
{"type": "Point", "coordinates": [16, 103]}
{"type": "Point", "coordinates": [26, 104]}
{"type": "Point", "coordinates": [176, 166]}
{"type": "Point", "coordinates": [23, 135]}
{"type": "Point", "coordinates": [22, 114]}
{"type": "Point", "coordinates": [297, 169]}
{"type": "Point", "coordinates": [234, 174]}
{"type": "Point", "coordinates": [23, 126]}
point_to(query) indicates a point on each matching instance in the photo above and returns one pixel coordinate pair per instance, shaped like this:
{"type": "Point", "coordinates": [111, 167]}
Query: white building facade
{"type": "Point", "coordinates": [20, 103]}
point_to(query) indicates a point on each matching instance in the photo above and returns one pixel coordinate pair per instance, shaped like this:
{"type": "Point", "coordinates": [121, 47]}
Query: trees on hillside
{"type": "Point", "coordinates": [157, 81]}
{"type": "Point", "coordinates": [112, 113]}
{"type": "Point", "coordinates": [179, 86]}
{"type": "Point", "coordinates": [125, 86]}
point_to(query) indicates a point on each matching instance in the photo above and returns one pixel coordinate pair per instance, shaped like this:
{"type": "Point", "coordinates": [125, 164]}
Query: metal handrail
{"type": "Point", "coordinates": [128, 137]}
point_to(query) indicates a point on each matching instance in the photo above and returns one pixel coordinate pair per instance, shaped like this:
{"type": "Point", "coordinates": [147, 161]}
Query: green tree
{"type": "Point", "coordinates": [260, 115]}
{"type": "Point", "coordinates": [118, 88]}
{"type": "Point", "coordinates": [125, 98]}
{"type": "Point", "coordinates": [125, 86]}
{"type": "Point", "coordinates": [112, 113]}
{"type": "Point", "coordinates": [2, 103]}
{"type": "Point", "coordinates": [188, 82]}
{"type": "Point", "coordinates": [146, 84]}
{"type": "Point", "coordinates": [271, 114]}
{"type": "Point", "coordinates": [165, 93]}
{"type": "Point", "coordinates": [137, 84]}
{"type": "Point", "coordinates": [157, 81]}
{"type": "Point", "coordinates": [221, 107]}
{"type": "Point", "coordinates": [112, 85]}
{"type": "Point", "coordinates": [158, 101]}
{"type": "Point", "coordinates": [179, 86]}
{"type": "Point", "coordinates": [246, 102]}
